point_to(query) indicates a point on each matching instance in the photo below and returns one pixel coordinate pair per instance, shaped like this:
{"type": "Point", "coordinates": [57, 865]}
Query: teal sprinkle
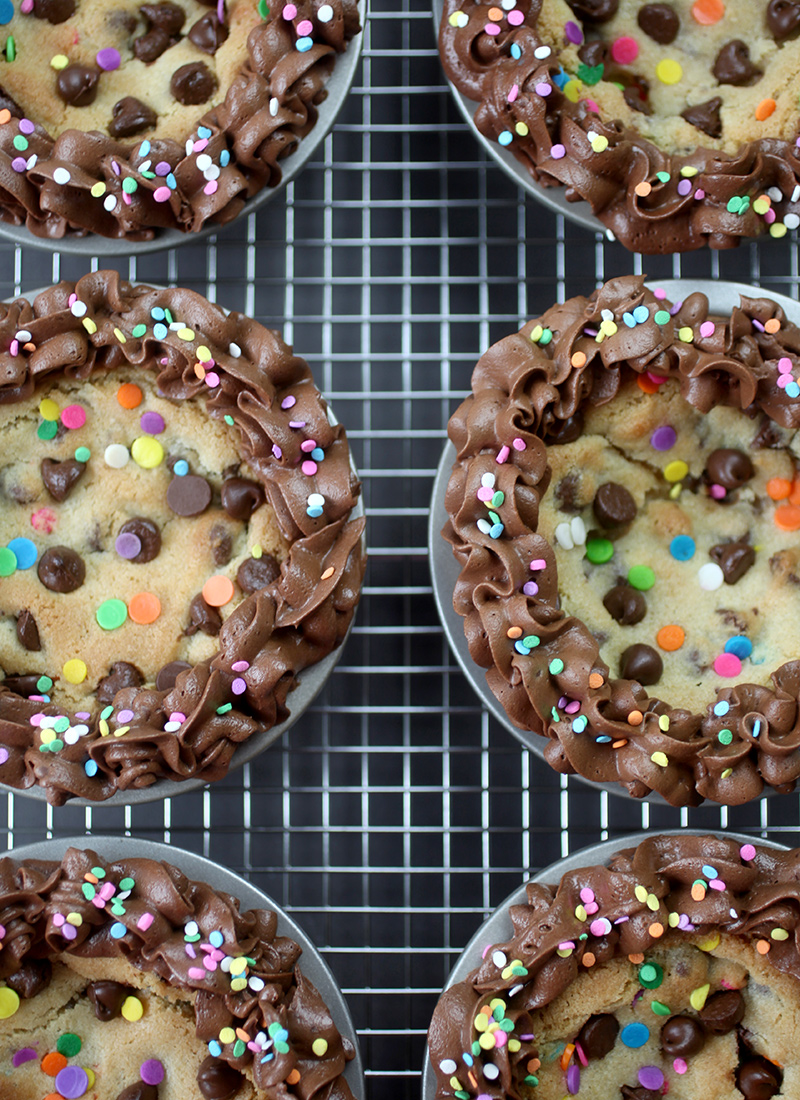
{"type": "Point", "coordinates": [663, 177]}
{"type": "Point", "coordinates": [497, 499]}
{"type": "Point", "coordinates": [228, 419]}
{"type": "Point", "coordinates": [661, 317]}
{"type": "Point", "coordinates": [546, 337]}
{"type": "Point", "coordinates": [82, 454]}
{"type": "Point", "coordinates": [139, 330]}
{"type": "Point", "coordinates": [530, 641]}
{"type": "Point", "coordinates": [106, 712]}
{"type": "Point", "coordinates": [224, 708]}
{"type": "Point", "coordinates": [556, 666]}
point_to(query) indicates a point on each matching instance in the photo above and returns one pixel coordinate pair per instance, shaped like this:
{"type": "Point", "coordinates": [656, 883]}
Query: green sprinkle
{"type": "Point", "coordinates": [556, 666]}
{"type": "Point", "coordinates": [56, 745]}
{"type": "Point", "coordinates": [139, 330]}
{"type": "Point", "coordinates": [47, 429]}
{"type": "Point", "coordinates": [88, 890]}
{"type": "Point", "coordinates": [725, 737]}
{"type": "Point", "coordinates": [460, 1094]}
{"type": "Point", "coordinates": [531, 641]}
{"type": "Point", "coordinates": [111, 614]}
{"type": "Point", "coordinates": [651, 975]}
{"type": "Point", "coordinates": [546, 337]}
{"type": "Point", "coordinates": [641, 577]}
{"type": "Point", "coordinates": [590, 74]}
{"type": "Point", "coordinates": [98, 872]}
{"type": "Point", "coordinates": [61, 725]}
{"type": "Point", "coordinates": [263, 10]}
{"type": "Point", "coordinates": [238, 1048]}
{"type": "Point", "coordinates": [106, 713]}
{"type": "Point", "coordinates": [228, 419]}
{"type": "Point", "coordinates": [494, 518]}
{"type": "Point", "coordinates": [11, 48]}
{"type": "Point", "coordinates": [555, 715]}
{"type": "Point", "coordinates": [663, 177]}
{"type": "Point", "coordinates": [129, 185]}
{"type": "Point", "coordinates": [44, 683]}
{"type": "Point", "coordinates": [69, 1044]}
{"type": "Point", "coordinates": [660, 1009]}
{"type": "Point", "coordinates": [8, 562]}
{"type": "Point", "coordinates": [497, 499]}
{"type": "Point", "coordinates": [531, 1080]}
{"type": "Point", "coordinates": [661, 317]}
{"type": "Point", "coordinates": [224, 708]}
{"type": "Point", "coordinates": [20, 142]}
{"type": "Point", "coordinates": [168, 316]}
{"type": "Point", "coordinates": [127, 883]}
{"type": "Point", "coordinates": [83, 454]}
{"type": "Point", "coordinates": [283, 1048]}
{"type": "Point", "coordinates": [599, 550]}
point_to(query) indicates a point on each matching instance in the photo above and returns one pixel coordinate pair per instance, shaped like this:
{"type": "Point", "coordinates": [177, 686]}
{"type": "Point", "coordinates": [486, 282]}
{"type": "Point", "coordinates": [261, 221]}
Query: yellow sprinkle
{"type": "Point", "coordinates": [697, 998]}
{"type": "Point", "coordinates": [121, 731]}
{"type": "Point", "coordinates": [120, 335]}
{"type": "Point", "coordinates": [640, 893]}
{"type": "Point", "coordinates": [663, 722]}
{"type": "Point", "coordinates": [75, 671]}
{"type": "Point", "coordinates": [661, 759]}
{"type": "Point", "coordinates": [319, 1046]}
{"type": "Point", "coordinates": [486, 1041]}
{"type": "Point", "coordinates": [685, 334]}
{"type": "Point", "coordinates": [710, 943]}
{"type": "Point", "coordinates": [600, 143]}
{"type": "Point", "coordinates": [9, 1002]}
{"type": "Point", "coordinates": [727, 773]}
{"type": "Point", "coordinates": [455, 1084]}
{"type": "Point", "coordinates": [90, 1074]}
{"type": "Point", "coordinates": [572, 89]}
{"type": "Point", "coordinates": [673, 920]}
{"type": "Point", "coordinates": [227, 1035]}
{"type": "Point", "coordinates": [777, 229]}
{"type": "Point", "coordinates": [522, 129]}
{"type": "Point", "coordinates": [48, 409]}
{"type": "Point", "coordinates": [676, 470]}
{"type": "Point", "coordinates": [608, 328]}
{"type": "Point", "coordinates": [514, 1045]}
{"type": "Point", "coordinates": [75, 919]}
{"type": "Point", "coordinates": [104, 728]}
{"type": "Point", "coordinates": [761, 205]}
{"type": "Point", "coordinates": [580, 913]}
{"type": "Point", "coordinates": [652, 903]}
{"type": "Point", "coordinates": [564, 952]}
{"type": "Point", "coordinates": [132, 1009]}
{"type": "Point", "coordinates": [498, 1002]}
{"type": "Point", "coordinates": [669, 71]}
{"type": "Point", "coordinates": [238, 966]}
{"type": "Point", "coordinates": [97, 191]}
{"type": "Point", "coordinates": [59, 61]}
{"type": "Point", "coordinates": [185, 334]}
{"type": "Point", "coordinates": [203, 354]}
{"type": "Point", "coordinates": [238, 983]}
{"type": "Point", "coordinates": [536, 335]}
{"type": "Point", "coordinates": [256, 551]}
{"type": "Point", "coordinates": [481, 1022]}
{"type": "Point", "coordinates": [688, 171]}
{"type": "Point", "coordinates": [89, 325]}
{"type": "Point", "coordinates": [147, 452]}
{"type": "Point", "coordinates": [779, 934]}
{"type": "Point", "coordinates": [675, 491]}
{"type": "Point", "coordinates": [47, 736]}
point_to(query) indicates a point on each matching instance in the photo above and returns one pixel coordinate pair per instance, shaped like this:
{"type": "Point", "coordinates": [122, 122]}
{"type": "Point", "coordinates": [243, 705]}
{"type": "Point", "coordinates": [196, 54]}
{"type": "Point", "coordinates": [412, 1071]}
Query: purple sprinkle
{"type": "Point", "coordinates": [573, 1078]}
{"type": "Point", "coordinates": [152, 1071]}
{"type": "Point", "coordinates": [20, 1057]}
{"type": "Point", "coordinates": [663, 438]}
{"type": "Point", "coordinates": [573, 32]}
{"type": "Point", "coordinates": [72, 1082]}
{"type": "Point", "coordinates": [276, 451]}
{"type": "Point", "coordinates": [115, 168]}
{"type": "Point", "coordinates": [530, 588]}
{"type": "Point", "coordinates": [557, 152]}
{"type": "Point", "coordinates": [590, 332]}
{"type": "Point", "coordinates": [288, 402]}
{"type": "Point", "coordinates": [676, 308]}
{"type": "Point", "coordinates": [684, 187]}
{"type": "Point", "coordinates": [651, 1077]}
{"type": "Point", "coordinates": [543, 89]}
{"type": "Point", "coordinates": [297, 423]}
{"type": "Point", "coordinates": [128, 545]}
{"type": "Point", "coordinates": [26, 126]}
{"type": "Point", "coordinates": [108, 59]}
{"type": "Point", "coordinates": [82, 714]}
{"type": "Point", "coordinates": [757, 324]}
{"type": "Point", "coordinates": [221, 10]}
{"type": "Point", "coordinates": [152, 423]}
{"type": "Point", "coordinates": [238, 687]}
{"type": "Point", "coordinates": [163, 168]}
{"type": "Point", "coordinates": [3, 754]}
{"type": "Point", "coordinates": [125, 716]}
{"type": "Point", "coordinates": [19, 164]}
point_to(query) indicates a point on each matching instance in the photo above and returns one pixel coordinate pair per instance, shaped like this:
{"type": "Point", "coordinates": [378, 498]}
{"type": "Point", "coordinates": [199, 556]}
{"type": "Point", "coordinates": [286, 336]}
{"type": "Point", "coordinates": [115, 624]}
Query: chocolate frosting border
{"type": "Point", "coordinates": [280, 630]}
{"type": "Point", "coordinates": [663, 221]}
{"type": "Point", "coordinates": [524, 390]}
{"type": "Point", "coordinates": [761, 889]}
{"type": "Point", "coordinates": [242, 128]}
{"type": "Point", "coordinates": [34, 887]}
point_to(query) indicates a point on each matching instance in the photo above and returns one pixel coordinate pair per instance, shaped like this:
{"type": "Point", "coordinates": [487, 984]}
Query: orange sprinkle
{"type": "Point", "coordinates": [595, 680]}
{"type": "Point", "coordinates": [53, 1063]}
{"type": "Point", "coordinates": [656, 930]}
{"type": "Point", "coordinates": [588, 959]}
{"type": "Point", "coordinates": [646, 384]}
{"type": "Point", "coordinates": [671, 637]}
{"type": "Point", "coordinates": [794, 496]}
{"type": "Point", "coordinates": [293, 1077]}
{"type": "Point", "coordinates": [242, 1034]}
{"type": "Point", "coordinates": [5, 116]}
{"type": "Point", "coordinates": [200, 371]}
{"type": "Point", "coordinates": [29, 346]}
{"type": "Point", "coordinates": [495, 14]}
{"type": "Point", "coordinates": [514, 632]}
{"type": "Point", "coordinates": [471, 1078]}
{"type": "Point", "coordinates": [772, 325]}
{"type": "Point", "coordinates": [765, 108]}
{"type": "Point", "coordinates": [698, 891]}
{"type": "Point", "coordinates": [620, 744]}
{"type": "Point", "coordinates": [635, 717]}
{"type": "Point", "coordinates": [218, 590]}
{"type": "Point", "coordinates": [578, 359]}
{"type": "Point", "coordinates": [636, 958]}
{"type": "Point", "coordinates": [787, 517]}
{"type": "Point", "coordinates": [328, 573]}
{"type": "Point", "coordinates": [486, 1010]}
{"type": "Point", "coordinates": [54, 1096]}
{"type": "Point", "coordinates": [643, 189]}
{"type": "Point", "coordinates": [129, 396]}
{"type": "Point", "coordinates": [533, 1065]}
{"type": "Point", "coordinates": [778, 488]}
{"type": "Point", "coordinates": [708, 12]}
{"type": "Point", "coordinates": [91, 878]}
{"type": "Point", "coordinates": [144, 607]}
{"type": "Point", "coordinates": [762, 947]}
{"type": "Point", "coordinates": [569, 1050]}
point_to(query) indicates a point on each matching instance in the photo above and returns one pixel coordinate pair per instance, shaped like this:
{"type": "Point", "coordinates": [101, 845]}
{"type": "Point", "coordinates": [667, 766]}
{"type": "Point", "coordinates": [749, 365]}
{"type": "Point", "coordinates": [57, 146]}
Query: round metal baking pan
{"type": "Point", "coordinates": [197, 868]}
{"type": "Point", "coordinates": [722, 297]}
{"type": "Point", "coordinates": [498, 928]}
{"type": "Point", "coordinates": [552, 197]}
{"type": "Point", "coordinates": [337, 89]}
{"type": "Point", "coordinates": [310, 683]}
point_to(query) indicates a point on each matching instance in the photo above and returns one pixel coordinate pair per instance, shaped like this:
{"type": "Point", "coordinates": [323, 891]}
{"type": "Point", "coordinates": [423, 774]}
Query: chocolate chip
{"type": "Point", "coordinates": [33, 977]}
{"type": "Point", "coordinates": [130, 116]}
{"type": "Point", "coordinates": [734, 559]}
{"type": "Point", "coordinates": [61, 569]}
{"type": "Point", "coordinates": [122, 675]}
{"type": "Point", "coordinates": [594, 53]}
{"type": "Point", "coordinates": [217, 1080]}
{"type": "Point", "coordinates": [165, 680]}
{"type": "Point", "coordinates": [682, 1036]}
{"type": "Point", "coordinates": [638, 1092]}
{"type": "Point", "coordinates": [241, 497]}
{"type": "Point", "coordinates": [203, 617]}
{"type": "Point", "coordinates": [166, 16]}
{"type": "Point", "coordinates": [758, 1079]}
{"type": "Point", "coordinates": [28, 632]}
{"type": "Point", "coordinates": [565, 431]}
{"type": "Point", "coordinates": [598, 1035]}
{"type": "Point", "coordinates": [255, 573]}
{"type": "Point", "coordinates": [189, 495]}
{"type": "Point", "coordinates": [208, 33]}
{"type": "Point", "coordinates": [54, 11]}
{"type": "Point", "coordinates": [783, 18]}
{"type": "Point", "coordinates": [139, 1091]}
{"type": "Point", "coordinates": [193, 83]}
{"type": "Point", "coordinates": [221, 544]}
{"type": "Point", "coordinates": [733, 65]}
{"type": "Point", "coordinates": [148, 534]}
{"type": "Point", "coordinates": [613, 505]}
{"type": "Point", "coordinates": [107, 998]}
{"type": "Point", "coordinates": [148, 47]}
{"type": "Point", "coordinates": [659, 22]}
{"type": "Point", "coordinates": [722, 1011]}
{"type": "Point", "coordinates": [10, 105]}
{"type": "Point", "coordinates": [594, 11]}
{"type": "Point", "coordinates": [705, 117]}
{"type": "Point", "coordinates": [635, 95]}
{"type": "Point", "coordinates": [24, 684]}
{"type": "Point", "coordinates": [625, 604]}
{"type": "Point", "coordinates": [729, 467]}
{"type": "Point", "coordinates": [77, 85]}
{"type": "Point", "coordinates": [641, 663]}
{"type": "Point", "coordinates": [60, 477]}
{"type": "Point", "coordinates": [566, 493]}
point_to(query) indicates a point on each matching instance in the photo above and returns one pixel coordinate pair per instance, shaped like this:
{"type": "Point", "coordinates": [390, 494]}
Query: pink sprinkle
{"type": "Point", "coordinates": [36, 719]}
{"type": "Point", "coordinates": [770, 216]}
{"type": "Point", "coordinates": [587, 894]}
{"type": "Point", "coordinates": [699, 194]}
{"type": "Point", "coordinates": [625, 50]}
{"type": "Point", "coordinates": [716, 884]}
{"type": "Point", "coordinates": [126, 198]}
{"type": "Point", "coordinates": [573, 707]}
{"type": "Point", "coordinates": [107, 891]}
{"type": "Point", "coordinates": [537, 564]}
{"type": "Point", "coordinates": [659, 293]}
{"type": "Point", "coordinates": [26, 7]}
{"type": "Point", "coordinates": [144, 922]}
{"type": "Point", "coordinates": [512, 95]}
{"type": "Point", "coordinates": [500, 1038]}
{"type": "Point", "coordinates": [679, 1065]}
{"type": "Point", "coordinates": [309, 468]}
{"type": "Point", "coordinates": [190, 951]}
{"type": "Point", "coordinates": [600, 927]}
{"type": "Point", "coordinates": [82, 714]}
{"type": "Point", "coordinates": [210, 963]}
{"type": "Point", "coordinates": [785, 365]}
{"type": "Point", "coordinates": [747, 852]}
{"type": "Point", "coordinates": [58, 920]}
{"type": "Point", "coordinates": [518, 444]}
{"type": "Point", "coordinates": [515, 18]}
{"type": "Point", "coordinates": [98, 902]}
{"type": "Point", "coordinates": [196, 974]}
{"type": "Point", "coordinates": [240, 666]}
{"type": "Point", "coordinates": [718, 492]}
{"type": "Point", "coordinates": [212, 379]}
{"type": "Point", "coordinates": [566, 945]}
{"type": "Point", "coordinates": [297, 423]}
{"type": "Point", "coordinates": [502, 455]}
{"type": "Point", "coordinates": [200, 145]}
{"type": "Point", "coordinates": [486, 950]}
{"type": "Point", "coordinates": [288, 402]}
{"type": "Point", "coordinates": [485, 493]}
{"type": "Point", "coordinates": [590, 103]}
{"type": "Point", "coordinates": [238, 687]}
{"type": "Point", "coordinates": [492, 29]}
{"type": "Point", "coordinates": [211, 187]}
{"type": "Point", "coordinates": [44, 519]}
{"type": "Point", "coordinates": [125, 716]}
{"type": "Point", "coordinates": [543, 89]}
{"type": "Point", "coordinates": [14, 347]}
{"type": "Point", "coordinates": [289, 12]}
{"type": "Point", "coordinates": [783, 380]}
{"type": "Point", "coordinates": [591, 907]}
{"type": "Point", "coordinates": [707, 329]}
{"type": "Point", "coordinates": [727, 664]}
{"type": "Point", "coordinates": [557, 152]}
{"type": "Point", "coordinates": [308, 445]}
{"type": "Point", "coordinates": [304, 28]}
{"type": "Point", "coordinates": [74, 416]}
{"type": "Point", "coordinates": [161, 194]}
{"type": "Point", "coordinates": [656, 379]}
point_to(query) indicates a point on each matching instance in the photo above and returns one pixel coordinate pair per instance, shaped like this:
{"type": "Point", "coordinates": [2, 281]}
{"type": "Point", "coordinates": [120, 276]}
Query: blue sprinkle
{"type": "Point", "coordinates": [267, 1058]}
{"type": "Point", "coordinates": [318, 454]}
{"type": "Point", "coordinates": [170, 181]}
{"type": "Point", "coordinates": [561, 78]}
{"type": "Point", "coordinates": [203, 132]}
{"type": "Point", "coordinates": [793, 390]}
{"type": "Point", "coordinates": [144, 148]}
{"type": "Point", "coordinates": [160, 331]}
{"type": "Point", "coordinates": [710, 872]}
{"type": "Point", "coordinates": [629, 320]}
{"type": "Point", "coordinates": [304, 44]}
{"type": "Point", "coordinates": [682, 547]}
{"type": "Point", "coordinates": [117, 930]}
{"type": "Point", "coordinates": [214, 1048]}
{"type": "Point", "coordinates": [224, 158]}
{"type": "Point", "coordinates": [740, 646]}
{"type": "Point", "coordinates": [216, 939]}
{"type": "Point", "coordinates": [495, 532]}
{"type": "Point", "coordinates": [90, 767]}
{"type": "Point", "coordinates": [640, 314]}
{"type": "Point", "coordinates": [635, 1035]}
{"type": "Point", "coordinates": [314, 512]}
{"type": "Point", "coordinates": [516, 51]}
{"type": "Point", "coordinates": [602, 739]}
{"type": "Point", "coordinates": [507, 137]}
{"type": "Point", "coordinates": [157, 313]}
{"type": "Point", "coordinates": [520, 647]}
{"type": "Point", "coordinates": [24, 551]}
{"type": "Point", "coordinates": [181, 468]}
{"type": "Point", "coordinates": [721, 708]}
{"type": "Point", "coordinates": [756, 727]}
{"type": "Point", "coordinates": [468, 1059]}
{"type": "Point", "coordinates": [580, 724]}
{"type": "Point", "coordinates": [6, 11]}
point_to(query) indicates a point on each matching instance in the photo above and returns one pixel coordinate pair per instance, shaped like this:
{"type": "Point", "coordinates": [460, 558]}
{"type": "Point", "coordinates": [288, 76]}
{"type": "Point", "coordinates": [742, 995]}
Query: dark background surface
{"type": "Point", "coordinates": [396, 814]}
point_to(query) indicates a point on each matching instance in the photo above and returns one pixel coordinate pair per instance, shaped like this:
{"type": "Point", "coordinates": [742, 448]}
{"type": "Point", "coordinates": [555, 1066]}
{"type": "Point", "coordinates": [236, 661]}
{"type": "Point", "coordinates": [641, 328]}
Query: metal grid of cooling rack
{"type": "Point", "coordinates": [396, 814]}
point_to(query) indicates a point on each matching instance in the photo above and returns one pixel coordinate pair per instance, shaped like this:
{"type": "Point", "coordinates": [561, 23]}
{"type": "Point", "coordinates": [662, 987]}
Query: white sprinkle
{"type": "Point", "coordinates": [71, 737]}
{"type": "Point", "coordinates": [499, 959]}
{"type": "Point", "coordinates": [710, 576]}
{"type": "Point", "coordinates": [447, 1065]}
{"type": "Point", "coordinates": [23, 336]}
{"type": "Point", "coordinates": [316, 500]}
{"type": "Point", "coordinates": [325, 13]}
{"type": "Point", "coordinates": [791, 221]}
{"type": "Point", "coordinates": [204, 161]}
{"type": "Point", "coordinates": [189, 147]}
{"type": "Point", "coordinates": [212, 173]}
{"type": "Point", "coordinates": [484, 526]}
{"type": "Point", "coordinates": [61, 175]}
{"type": "Point", "coordinates": [145, 166]}
{"type": "Point", "coordinates": [564, 536]}
{"type": "Point", "coordinates": [47, 722]}
{"type": "Point", "coordinates": [191, 928]}
{"type": "Point", "coordinates": [490, 1071]}
{"type": "Point", "coordinates": [31, 161]}
{"type": "Point", "coordinates": [109, 202]}
{"type": "Point", "coordinates": [234, 351]}
{"type": "Point", "coordinates": [796, 192]}
{"type": "Point", "coordinates": [590, 136]}
{"type": "Point", "coordinates": [610, 236]}
{"type": "Point", "coordinates": [256, 984]}
{"type": "Point", "coordinates": [78, 309]}
{"type": "Point", "coordinates": [775, 194]}
{"type": "Point", "coordinates": [80, 729]}
{"type": "Point", "coordinates": [273, 106]}
{"type": "Point", "coordinates": [116, 456]}
{"type": "Point", "coordinates": [607, 315]}
{"type": "Point", "coordinates": [225, 965]}
{"type": "Point", "coordinates": [175, 325]}
{"type": "Point", "coordinates": [541, 52]}
{"type": "Point", "coordinates": [514, 990]}
{"type": "Point", "coordinates": [172, 727]}
{"type": "Point", "coordinates": [578, 530]}
{"type": "Point", "coordinates": [488, 481]}
{"type": "Point", "coordinates": [508, 5]}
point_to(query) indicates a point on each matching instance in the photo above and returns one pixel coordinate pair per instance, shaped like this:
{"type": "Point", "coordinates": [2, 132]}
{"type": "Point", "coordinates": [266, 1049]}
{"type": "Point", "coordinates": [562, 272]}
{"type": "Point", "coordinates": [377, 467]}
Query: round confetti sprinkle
{"type": "Point", "coordinates": [682, 548]}
{"type": "Point", "coordinates": [8, 562]}
{"type": "Point", "coordinates": [669, 71]}
{"type": "Point", "coordinates": [778, 488]}
{"type": "Point", "coordinates": [48, 409]}
{"type": "Point", "coordinates": [710, 576]}
{"type": "Point", "coordinates": [152, 423]}
{"type": "Point", "coordinates": [727, 664]}
{"type": "Point", "coordinates": [111, 614]}
{"type": "Point", "coordinates": [218, 590]}
{"type": "Point", "coordinates": [47, 430]}
{"type": "Point", "coordinates": [641, 577]}
{"type": "Point", "coordinates": [116, 456]}
{"type": "Point", "coordinates": [6, 11]}
{"type": "Point", "coordinates": [663, 438]}
{"type": "Point", "coordinates": [108, 59]}
{"type": "Point", "coordinates": [599, 550]}
{"type": "Point", "coordinates": [740, 645]}
{"type": "Point", "coordinates": [129, 396]}
{"type": "Point", "coordinates": [74, 671]}
{"type": "Point", "coordinates": [625, 50]}
{"type": "Point", "coordinates": [320, 1047]}
{"type": "Point", "coordinates": [69, 1044]}
{"type": "Point", "coordinates": [60, 175]}
{"type": "Point", "coordinates": [181, 468]}
{"type": "Point", "coordinates": [676, 471]}
{"type": "Point", "coordinates": [132, 1009]}
{"type": "Point", "coordinates": [72, 1082]}
{"type": "Point", "coordinates": [73, 416]}
{"type": "Point", "coordinates": [147, 452]}
{"type": "Point", "coordinates": [9, 1002]}
{"type": "Point", "coordinates": [152, 1071]}
{"type": "Point", "coordinates": [634, 1035]}
{"type": "Point", "coordinates": [144, 607]}
{"type": "Point", "coordinates": [708, 12]}
{"type": "Point", "coordinates": [787, 517]}
{"type": "Point", "coordinates": [651, 1077]}
{"type": "Point", "coordinates": [747, 852]}
{"type": "Point", "coordinates": [128, 545]}
{"type": "Point", "coordinates": [671, 637]}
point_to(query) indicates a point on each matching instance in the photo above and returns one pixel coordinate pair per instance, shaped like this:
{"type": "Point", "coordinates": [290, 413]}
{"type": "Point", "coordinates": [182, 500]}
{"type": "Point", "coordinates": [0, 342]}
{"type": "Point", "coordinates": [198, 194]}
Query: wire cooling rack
{"type": "Point", "coordinates": [396, 814]}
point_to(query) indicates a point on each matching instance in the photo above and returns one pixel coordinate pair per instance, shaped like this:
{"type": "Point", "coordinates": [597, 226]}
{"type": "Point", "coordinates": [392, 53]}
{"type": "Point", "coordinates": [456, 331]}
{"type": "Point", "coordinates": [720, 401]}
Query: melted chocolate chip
{"type": "Point", "coordinates": [107, 999]}
{"type": "Point", "coordinates": [221, 544]}
{"type": "Point", "coordinates": [783, 18]}
{"type": "Point", "coordinates": [148, 534]}
{"type": "Point", "coordinates": [208, 33]}
{"type": "Point", "coordinates": [641, 663]}
{"type": "Point", "coordinates": [241, 497]}
{"type": "Point", "coordinates": [705, 117]}
{"type": "Point", "coordinates": [613, 505]}
{"type": "Point", "coordinates": [193, 83]}
{"type": "Point", "coordinates": [682, 1036]}
{"type": "Point", "coordinates": [166, 16]}
{"type": "Point", "coordinates": [565, 431]}
{"type": "Point", "coordinates": [567, 493]}
{"type": "Point", "coordinates": [24, 684]}
{"type": "Point", "coordinates": [729, 467]}
{"type": "Point", "coordinates": [722, 1011]}
{"type": "Point", "coordinates": [734, 559]}
{"type": "Point", "coordinates": [733, 65]}
{"type": "Point", "coordinates": [758, 1079]}
{"type": "Point", "coordinates": [659, 22]}
{"type": "Point", "coordinates": [139, 1091]}
{"type": "Point", "coordinates": [130, 116]}
{"type": "Point", "coordinates": [166, 677]}
{"type": "Point", "coordinates": [148, 47]}
{"type": "Point", "coordinates": [636, 97]}
{"type": "Point", "coordinates": [33, 977]}
{"type": "Point", "coordinates": [598, 1035]}
{"type": "Point", "coordinates": [61, 569]}
{"type": "Point", "coordinates": [60, 477]}
{"type": "Point", "coordinates": [625, 604]}
{"type": "Point", "coordinates": [593, 53]}
{"type": "Point", "coordinates": [10, 105]}
{"type": "Point", "coordinates": [122, 675]}
{"type": "Point", "coordinates": [594, 11]}
{"type": "Point", "coordinates": [203, 617]}
{"type": "Point", "coordinates": [54, 11]}
{"type": "Point", "coordinates": [217, 1080]}
{"type": "Point", "coordinates": [255, 573]}
{"type": "Point", "coordinates": [77, 85]}
{"type": "Point", "coordinates": [638, 1092]}
{"type": "Point", "coordinates": [28, 632]}
{"type": "Point", "coordinates": [189, 495]}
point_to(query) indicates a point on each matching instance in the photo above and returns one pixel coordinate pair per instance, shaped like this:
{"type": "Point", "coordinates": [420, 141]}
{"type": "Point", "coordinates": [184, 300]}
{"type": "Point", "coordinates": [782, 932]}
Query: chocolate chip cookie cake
{"type": "Point", "coordinates": [179, 543]}
{"type": "Point", "coordinates": [625, 508]}
{"type": "Point", "coordinates": [676, 121]}
{"type": "Point", "coordinates": [122, 120]}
